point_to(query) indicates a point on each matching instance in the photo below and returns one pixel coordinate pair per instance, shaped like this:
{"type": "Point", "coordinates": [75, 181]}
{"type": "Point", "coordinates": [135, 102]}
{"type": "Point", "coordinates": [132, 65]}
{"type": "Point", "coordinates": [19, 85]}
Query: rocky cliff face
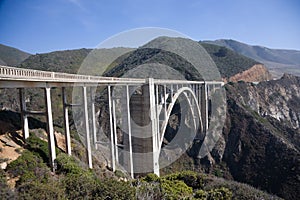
{"type": "Point", "coordinates": [256, 73]}
{"type": "Point", "coordinates": [278, 99]}
{"type": "Point", "coordinates": [262, 135]}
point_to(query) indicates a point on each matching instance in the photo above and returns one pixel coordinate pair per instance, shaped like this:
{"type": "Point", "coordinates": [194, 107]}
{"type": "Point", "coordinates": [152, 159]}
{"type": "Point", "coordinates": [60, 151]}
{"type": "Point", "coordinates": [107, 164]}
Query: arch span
{"type": "Point", "coordinates": [184, 91]}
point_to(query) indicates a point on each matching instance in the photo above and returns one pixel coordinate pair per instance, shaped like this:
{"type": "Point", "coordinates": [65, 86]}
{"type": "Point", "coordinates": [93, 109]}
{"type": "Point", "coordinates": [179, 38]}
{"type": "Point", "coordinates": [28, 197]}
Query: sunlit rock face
{"type": "Point", "coordinates": [278, 99]}
{"type": "Point", "coordinates": [256, 73]}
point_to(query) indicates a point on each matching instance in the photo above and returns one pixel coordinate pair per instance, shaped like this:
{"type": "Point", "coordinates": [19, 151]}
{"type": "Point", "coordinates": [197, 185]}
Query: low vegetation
{"type": "Point", "coordinates": [72, 180]}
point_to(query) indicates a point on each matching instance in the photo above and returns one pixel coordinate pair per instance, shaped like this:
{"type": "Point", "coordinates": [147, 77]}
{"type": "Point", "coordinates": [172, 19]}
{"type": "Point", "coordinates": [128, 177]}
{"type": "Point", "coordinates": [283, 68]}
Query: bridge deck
{"type": "Point", "coordinates": [13, 77]}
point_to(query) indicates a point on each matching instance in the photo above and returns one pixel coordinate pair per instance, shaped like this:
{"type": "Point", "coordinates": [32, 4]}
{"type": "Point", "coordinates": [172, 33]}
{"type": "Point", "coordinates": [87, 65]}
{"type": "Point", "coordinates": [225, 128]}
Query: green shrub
{"type": "Point", "coordinates": [119, 174]}
{"type": "Point", "coordinates": [151, 178]}
{"type": "Point", "coordinates": [201, 195]}
{"type": "Point", "coordinates": [80, 183]}
{"type": "Point", "coordinates": [175, 189]}
{"type": "Point", "coordinates": [219, 194]}
{"type": "Point", "coordinates": [38, 190]}
{"type": "Point", "coordinates": [5, 192]}
{"type": "Point", "coordinates": [38, 147]}
{"type": "Point", "coordinates": [79, 186]}
{"type": "Point", "coordinates": [67, 164]}
{"type": "Point", "coordinates": [113, 189]}
{"type": "Point", "coordinates": [29, 167]}
{"type": "Point", "coordinates": [190, 178]}
{"type": "Point", "coordinates": [218, 172]}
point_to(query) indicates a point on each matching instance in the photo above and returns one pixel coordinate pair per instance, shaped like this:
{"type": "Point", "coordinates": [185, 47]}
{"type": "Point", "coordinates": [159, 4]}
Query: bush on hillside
{"type": "Point", "coordinates": [29, 167]}
{"type": "Point", "coordinates": [5, 192]}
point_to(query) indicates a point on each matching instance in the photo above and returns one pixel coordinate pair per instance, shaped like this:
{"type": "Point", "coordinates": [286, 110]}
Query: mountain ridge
{"type": "Point", "coordinates": [12, 56]}
{"type": "Point", "coordinates": [278, 61]}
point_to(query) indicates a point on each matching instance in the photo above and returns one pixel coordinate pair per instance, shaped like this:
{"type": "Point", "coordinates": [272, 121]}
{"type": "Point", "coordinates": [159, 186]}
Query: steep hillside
{"type": "Point", "coordinates": [28, 176]}
{"type": "Point", "coordinates": [59, 61]}
{"type": "Point", "coordinates": [262, 135]}
{"type": "Point", "coordinates": [231, 65]}
{"type": "Point", "coordinates": [278, 61]}
{"type": "Point", "coordinates": [70, 61]}
{"type": "Point", "coordinates": [159, 58]}
{"type": "Point", "coordinates": [234, 66]}
{"type": "Point", "coordinates": [11, 56]}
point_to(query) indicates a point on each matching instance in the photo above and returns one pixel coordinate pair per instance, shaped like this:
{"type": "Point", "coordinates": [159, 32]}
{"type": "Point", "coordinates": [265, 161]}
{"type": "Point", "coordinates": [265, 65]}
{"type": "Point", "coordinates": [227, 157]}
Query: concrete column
{"type": "Point", "coordinates": [112, 145]}
{"type": "Point", "coordinates": [157, 113]}
{"type": "Point", "coordinates": [129, 131]}
{"type": "Point", "coordinates": [115, 129]}
{"type": "Point", "coordinates": [87, 130]}
{"type": "Point", "coordinates": [204, 106]}
{"type": "Point", "coordinates": [24, 117]}
{"type": "Point", "coordinates": [50, 129]}
{"type": "Point", "coordinates": [165, 101]}
{"type": "Point", "coordinates": [154, 122]}
{"type": "Point", "coordinates": [94, 118]}
{"type": "Point", "coordinates": [66, 122]}
{"type": "Point", "coordinates": [172, 93]}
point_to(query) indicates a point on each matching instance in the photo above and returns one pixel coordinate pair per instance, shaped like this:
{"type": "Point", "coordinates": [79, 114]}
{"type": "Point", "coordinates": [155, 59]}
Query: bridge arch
{"type": "Point", "coordinates": [182, 91]}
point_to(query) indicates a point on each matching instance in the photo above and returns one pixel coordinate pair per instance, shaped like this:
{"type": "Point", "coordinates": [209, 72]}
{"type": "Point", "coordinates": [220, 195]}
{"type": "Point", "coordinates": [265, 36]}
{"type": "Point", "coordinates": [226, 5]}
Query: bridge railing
{"type": "Point", "coordinates": [30, 74]}
{"type": "Point", "coordinates": [38, 75]}
{"type": "Point", "coordinates": [19, 72]}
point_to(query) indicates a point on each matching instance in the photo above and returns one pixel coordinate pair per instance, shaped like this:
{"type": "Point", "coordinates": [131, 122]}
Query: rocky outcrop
{"type": "Point", "coordinates": [278, 99]}
{"type": "Point", "coordinates": [262, 135]}
{"type": "Point", "coordinates": [256, 73]}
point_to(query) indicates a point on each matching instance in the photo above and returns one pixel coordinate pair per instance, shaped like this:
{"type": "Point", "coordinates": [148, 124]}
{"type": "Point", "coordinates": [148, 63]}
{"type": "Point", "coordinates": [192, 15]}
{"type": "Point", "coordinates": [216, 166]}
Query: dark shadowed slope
{"type": "Point", "coordinates": [11, 56]}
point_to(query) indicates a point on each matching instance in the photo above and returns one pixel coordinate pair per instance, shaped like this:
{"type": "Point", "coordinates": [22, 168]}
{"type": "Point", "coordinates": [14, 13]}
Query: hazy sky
{"type": "Point", "coordinates": [38, 26]}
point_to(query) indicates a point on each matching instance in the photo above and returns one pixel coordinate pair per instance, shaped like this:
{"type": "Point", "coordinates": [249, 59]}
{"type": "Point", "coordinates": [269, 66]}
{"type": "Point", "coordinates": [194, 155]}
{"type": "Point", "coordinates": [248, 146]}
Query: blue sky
{"type": "Point", "coordinates": [38, 26]}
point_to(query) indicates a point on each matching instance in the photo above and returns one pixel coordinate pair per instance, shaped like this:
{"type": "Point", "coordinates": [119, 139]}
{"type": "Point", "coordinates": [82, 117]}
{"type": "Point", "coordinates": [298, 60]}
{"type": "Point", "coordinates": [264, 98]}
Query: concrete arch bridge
{"type": "Point", "coordinates": [139, 112]}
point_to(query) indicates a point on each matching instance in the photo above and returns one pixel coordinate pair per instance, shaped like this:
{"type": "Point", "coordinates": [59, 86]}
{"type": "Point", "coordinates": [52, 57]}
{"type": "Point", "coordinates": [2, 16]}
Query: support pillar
{"type": "Point", "coordinates": [204, 106]}
{"type": "Point", "coordinates": [115, 129]}
{"type": "Point", "coordinates": [165, 102]}
{"type": "Point", "coordinates": [157, 110]}
{"type": "Point", "coordinates": [129, 132]}
{"type": "Point", "coordinates": [24, 116]}
{"type": "Point", "coordinates": [154, 129]}
{"type": "Point", "coordinates": [66, 122]}
{"type": "Point", "coordinates": [112, 145]}
{"type": "Point", "coordinates": [94, 118]}
{"type": "Point", "coordinates": [50, 129]}
{"type": "Point", "coordinates": [87, 131]}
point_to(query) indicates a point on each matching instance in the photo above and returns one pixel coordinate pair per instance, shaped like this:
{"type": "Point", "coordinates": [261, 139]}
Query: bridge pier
{"type": "Point", "coordinates": [204, 106]}
{"type": "Point", "coordinates": [66, 121]}
{"type": "Point", "coordinates": [24, 116]}
{"type": "Point", "coordinates": [48, 114]}
{"type": "Point", "coordinates": [129, 132]}
{"type": "Point", "coordinates": [154, 125]}
{"type": "Point", "coordinates": [113, 141]}
{"type": "Point", "coordinates": [87, 128]}
{"type": "Point", "coordinates": [93, 110]}
{"type": "Point", "coordinates": [50, 129]}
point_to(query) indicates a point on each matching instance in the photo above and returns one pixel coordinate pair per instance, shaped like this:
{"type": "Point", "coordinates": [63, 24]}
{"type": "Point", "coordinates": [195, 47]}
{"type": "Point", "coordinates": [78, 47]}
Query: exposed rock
{"type": "Point", "coordinates": [3, 165]}
{"type": "Point", "coordinates": [256, 73]}
{"type": "Point", "coordinates": [262, 135]}
{"type": "Point", "coordinates": [11, 144]}
{"type": "Point", "coordinates": [4, 140]}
